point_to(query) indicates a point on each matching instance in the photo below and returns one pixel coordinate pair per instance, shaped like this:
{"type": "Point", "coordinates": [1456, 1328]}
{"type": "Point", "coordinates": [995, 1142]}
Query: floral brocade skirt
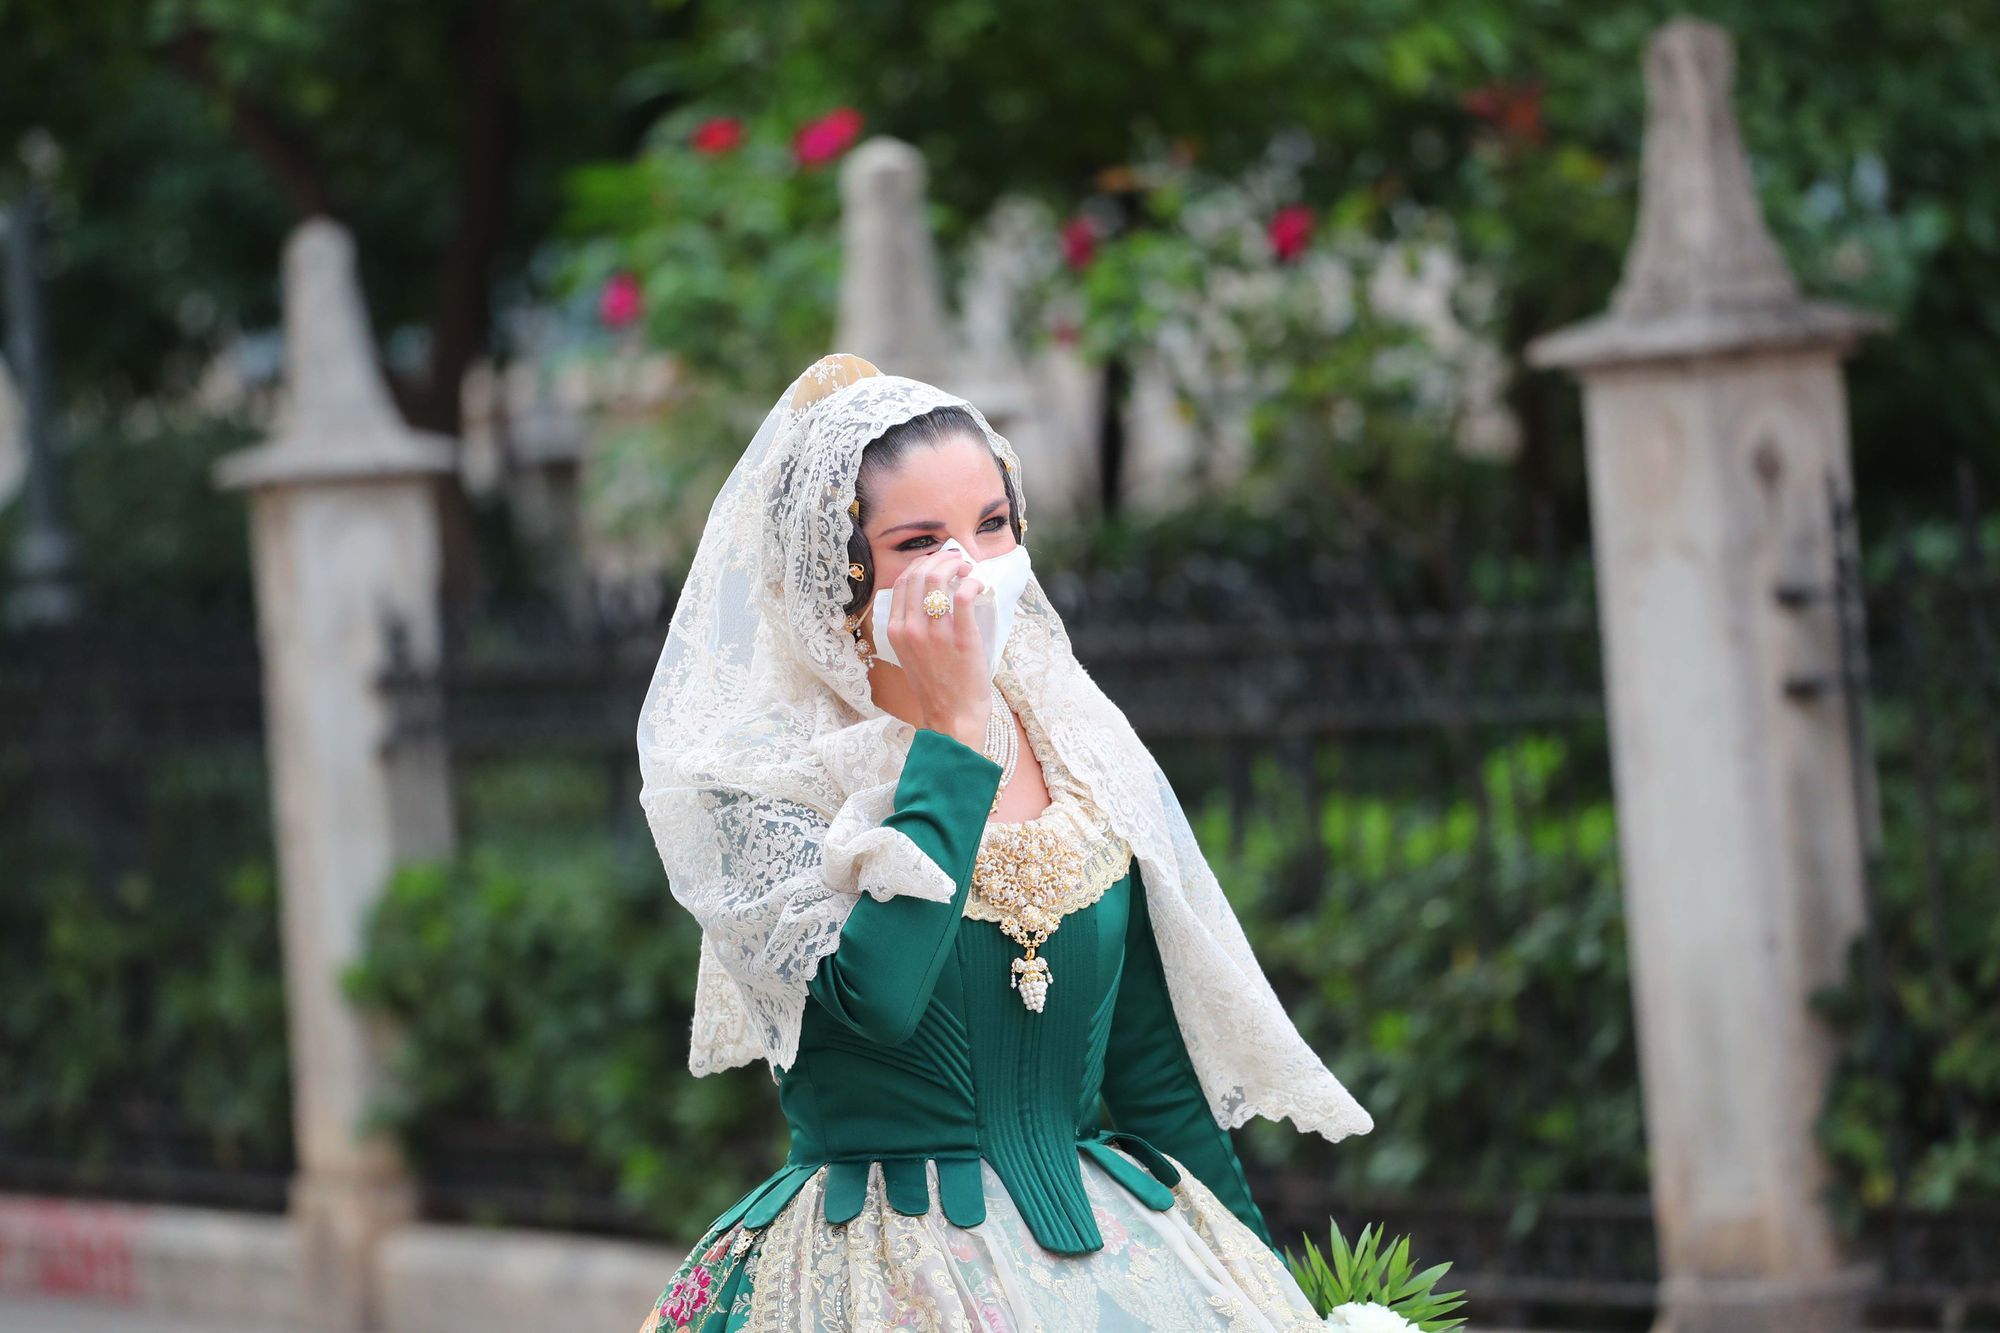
{"type": "Point", "coordinates": [1195, 1266]}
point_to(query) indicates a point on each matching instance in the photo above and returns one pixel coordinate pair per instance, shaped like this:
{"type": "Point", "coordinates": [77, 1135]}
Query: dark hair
{"type": "Point", "coordinates": [885, 453]}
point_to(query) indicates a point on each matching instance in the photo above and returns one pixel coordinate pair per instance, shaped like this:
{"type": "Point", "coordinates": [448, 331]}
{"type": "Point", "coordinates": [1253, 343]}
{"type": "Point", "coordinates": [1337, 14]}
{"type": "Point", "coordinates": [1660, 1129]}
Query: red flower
{"type": "Point", "coordinates": [1290, 229]}
{"type": "Point", "coordinates": [620, 302]}
{"type": "Point", "coordinates": [1065, 333]}
{"type": "Point", "coordinates": [1079, 241]}
{"type": "Point", "coordinates": [717, 134]}
{"type": "Point", "coordinates": [1515, 109]}
{"type": "Point", "coordinates": [828, 137]}
{"type": "Point", "coordinates": [687, 1296]}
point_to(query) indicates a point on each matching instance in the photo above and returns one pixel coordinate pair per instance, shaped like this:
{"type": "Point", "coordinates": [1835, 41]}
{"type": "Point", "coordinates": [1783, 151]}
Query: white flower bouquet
{"type": "Point", "coordinates": [1365, 1289]}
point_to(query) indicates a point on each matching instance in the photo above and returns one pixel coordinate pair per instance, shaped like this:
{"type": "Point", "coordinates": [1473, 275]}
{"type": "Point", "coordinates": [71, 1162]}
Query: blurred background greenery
{"type": "Point", "coordinates": [1198, 188]}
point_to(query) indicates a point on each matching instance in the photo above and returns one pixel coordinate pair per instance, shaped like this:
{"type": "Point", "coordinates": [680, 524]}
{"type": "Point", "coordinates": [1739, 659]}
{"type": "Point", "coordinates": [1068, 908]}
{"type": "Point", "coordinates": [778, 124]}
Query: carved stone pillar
{"type": "Point", "coordinates": [344, 540]}
{"type": "Point", "coordinates": [1715, 422]}
{"type": "Point", "coordinates": [892, 308]}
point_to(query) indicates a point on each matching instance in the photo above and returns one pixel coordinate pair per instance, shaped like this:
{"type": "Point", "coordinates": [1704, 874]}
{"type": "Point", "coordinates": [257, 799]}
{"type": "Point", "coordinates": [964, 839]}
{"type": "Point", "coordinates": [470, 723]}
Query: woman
{"type": "Point", "coordinates": [949, 896]}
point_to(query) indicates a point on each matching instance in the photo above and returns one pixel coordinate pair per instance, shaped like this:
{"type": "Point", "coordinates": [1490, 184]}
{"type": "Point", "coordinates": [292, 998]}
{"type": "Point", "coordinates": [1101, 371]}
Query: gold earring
{"type": "Point", "coordinates": [856, 572]}
{"type": "Point", "coordinates": [854, 507]}
{"type": "Point", "coordinates": [862, 647]}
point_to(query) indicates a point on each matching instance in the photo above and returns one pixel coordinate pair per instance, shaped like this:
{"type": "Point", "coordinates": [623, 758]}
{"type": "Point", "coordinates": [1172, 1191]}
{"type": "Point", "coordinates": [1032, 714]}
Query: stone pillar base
{"type": "Point", "coordinates": [1766, 1305]}
{"type": "Point", "coordinates": [340, 1220]}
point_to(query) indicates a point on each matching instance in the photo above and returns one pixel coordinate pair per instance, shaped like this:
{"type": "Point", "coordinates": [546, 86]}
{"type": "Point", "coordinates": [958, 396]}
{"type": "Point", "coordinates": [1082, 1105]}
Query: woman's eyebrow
{"type": "Point", "coordinates": [929, 523]}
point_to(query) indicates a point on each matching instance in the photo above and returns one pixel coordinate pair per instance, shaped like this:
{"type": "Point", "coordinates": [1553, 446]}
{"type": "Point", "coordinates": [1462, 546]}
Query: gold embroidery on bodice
{"type": "Point", "coordinates": [1032, 873]}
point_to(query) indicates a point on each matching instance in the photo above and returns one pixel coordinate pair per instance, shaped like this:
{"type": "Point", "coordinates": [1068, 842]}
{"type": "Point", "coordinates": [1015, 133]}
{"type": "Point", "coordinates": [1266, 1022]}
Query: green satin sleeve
{"type": "Point", "coordinates": [1150, 1087]}
{"type": "Point", "coordinates": [879, 978]}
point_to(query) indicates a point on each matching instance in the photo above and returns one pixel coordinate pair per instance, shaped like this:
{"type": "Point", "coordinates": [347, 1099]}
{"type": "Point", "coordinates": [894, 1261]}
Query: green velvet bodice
{"type": "Point", "coordinates": [914, 1047]}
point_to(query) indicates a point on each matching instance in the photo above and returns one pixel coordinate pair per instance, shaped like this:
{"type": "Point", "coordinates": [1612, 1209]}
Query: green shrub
{"type": "Point", "coordinates": [1912, 1112]}
{"type": "Point", "coordinates": [550, 983]}
{"type": "Point", "coordinates": [1480, 1010]}
{"type": "Point", "coordinates": [1473, 993]}
{"type": "Point", "coordinates": [140, 1002]}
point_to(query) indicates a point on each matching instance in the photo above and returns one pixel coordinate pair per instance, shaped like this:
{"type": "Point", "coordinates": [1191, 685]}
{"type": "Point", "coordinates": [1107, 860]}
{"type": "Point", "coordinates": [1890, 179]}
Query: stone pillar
{"type": "Point", "coordinates": [892, 308]}
{"type": "Point", "coordinates": [1716, 422]}
{"type": "Point", "coordinates": [893, 312]}
{"type": "Point", "coordinates": [344, 539]}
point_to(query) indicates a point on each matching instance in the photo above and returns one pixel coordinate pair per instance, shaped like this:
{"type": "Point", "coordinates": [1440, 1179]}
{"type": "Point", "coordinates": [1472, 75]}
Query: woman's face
{"type": "Point", "coordinates": [938, 492]}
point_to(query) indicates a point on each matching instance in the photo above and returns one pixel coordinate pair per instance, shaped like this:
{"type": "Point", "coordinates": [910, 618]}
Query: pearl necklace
{"type": "Point", "coordinates": [1030, 874]}
{"type": "Point", "coordinates": [1002, 746]}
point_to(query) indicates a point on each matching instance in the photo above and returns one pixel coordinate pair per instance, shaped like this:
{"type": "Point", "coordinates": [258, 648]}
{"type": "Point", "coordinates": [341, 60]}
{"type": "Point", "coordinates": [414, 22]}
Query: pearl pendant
{"type": "Point", "coordinates": [1031, 977]}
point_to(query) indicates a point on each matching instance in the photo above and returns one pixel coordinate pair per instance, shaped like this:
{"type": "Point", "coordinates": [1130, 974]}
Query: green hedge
{"type": "Point", "coordinates": [144, 1023]}
{"type": "Point", "coordinates": [1916, 1092]}
{"type": "Point", "coordinates": [550, 981]}
{"type": "Point", "coordinates": [1470, 990]}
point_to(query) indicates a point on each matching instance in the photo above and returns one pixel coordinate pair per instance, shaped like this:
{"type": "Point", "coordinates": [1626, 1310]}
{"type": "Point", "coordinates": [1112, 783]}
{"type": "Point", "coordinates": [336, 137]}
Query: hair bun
{"type": "Point", "coordinates": [829, 374]}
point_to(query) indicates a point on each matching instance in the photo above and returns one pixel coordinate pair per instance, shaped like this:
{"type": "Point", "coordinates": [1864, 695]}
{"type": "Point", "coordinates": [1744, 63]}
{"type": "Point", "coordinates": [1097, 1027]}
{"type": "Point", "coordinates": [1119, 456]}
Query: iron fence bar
{"type": "Point", "coordinates": [1912, 617]}
{"type": "Point", "coordinates": [1854, 678]}
{"type": "Point", "coordinates": [1980, 591]}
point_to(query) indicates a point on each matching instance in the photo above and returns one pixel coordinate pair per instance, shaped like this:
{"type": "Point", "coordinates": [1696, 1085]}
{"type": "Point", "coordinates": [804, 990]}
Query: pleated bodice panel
{"type": "Point", "coordinates": [982, 1076]}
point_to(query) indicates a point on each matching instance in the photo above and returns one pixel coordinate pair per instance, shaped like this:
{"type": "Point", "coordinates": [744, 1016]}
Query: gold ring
{"type": "Point", "coordinates": [937, 603]}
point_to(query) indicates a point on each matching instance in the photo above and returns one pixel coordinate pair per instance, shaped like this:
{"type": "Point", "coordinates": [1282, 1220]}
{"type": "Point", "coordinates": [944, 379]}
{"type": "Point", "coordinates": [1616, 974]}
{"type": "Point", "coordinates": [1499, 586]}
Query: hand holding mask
{"type": "Point", "coordinates": [1003, 578]}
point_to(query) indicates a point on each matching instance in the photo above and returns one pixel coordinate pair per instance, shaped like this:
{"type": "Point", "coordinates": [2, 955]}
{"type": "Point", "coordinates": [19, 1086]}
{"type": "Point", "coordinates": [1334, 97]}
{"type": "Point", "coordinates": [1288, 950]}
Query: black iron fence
{"type": "Point", "coordinates": [1405, 782]}
{"type": "Point", "coordinates": [1402, 775]}
{"type": "Point", "coordinates": [1913, 1116]}
{"type": "Point", "coordinates": [142, 1042]}
{"type": "Point", "coordinates": [1346, 735]}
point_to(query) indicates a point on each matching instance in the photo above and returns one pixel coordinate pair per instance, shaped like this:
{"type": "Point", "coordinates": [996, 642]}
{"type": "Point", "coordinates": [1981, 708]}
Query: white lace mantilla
{"type": "Point", "coordinates": [769, 769]}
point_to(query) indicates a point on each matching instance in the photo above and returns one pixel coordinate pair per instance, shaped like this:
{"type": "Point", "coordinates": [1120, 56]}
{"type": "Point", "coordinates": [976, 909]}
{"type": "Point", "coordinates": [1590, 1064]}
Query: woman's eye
{"type": "Point", "coordinates": [993, 524]}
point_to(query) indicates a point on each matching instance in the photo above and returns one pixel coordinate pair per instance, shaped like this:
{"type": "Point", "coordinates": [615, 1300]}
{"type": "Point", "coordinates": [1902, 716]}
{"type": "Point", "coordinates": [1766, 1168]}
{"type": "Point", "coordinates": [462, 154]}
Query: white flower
{"type": "Point", "coordinates": [1367, 1317]}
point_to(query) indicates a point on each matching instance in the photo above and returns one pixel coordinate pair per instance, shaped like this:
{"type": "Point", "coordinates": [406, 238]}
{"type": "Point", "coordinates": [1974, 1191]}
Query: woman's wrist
{"type": "Point", "coordinates": [967, 729]}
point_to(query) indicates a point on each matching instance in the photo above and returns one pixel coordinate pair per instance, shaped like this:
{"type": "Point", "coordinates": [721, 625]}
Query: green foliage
{"type": "Point", "coordinates": [190, 135]}
{"type": "Point", "coordinates": [1436, 964]}
{"type": "Point", "coordinates": [1255, 308]}
{"type": "Point", "coordinates": [1038, 95]}
{"type": "Point", "coordinates": [736, 255]}
{"type": "Point", "coordinates": [1366, 1274]}
{"type": "Point", "coordinates": [1868, 127]}
{"type": "Point", "coordinates": [544, 979]}
{"type": "Point", "coordinates": [736, 248]}
{"type": "Point", "coordinates": [550, 984]}
{"type": "Point", "coordinates": [142, 1001]}
{"type": "Point", "coordinates": [1912, 1112]}
{"type": "Point", "coordinates": [142, 1007]}
{"type": "Point", "coordinates": [548, 980]}
{"type": "Point", "coordinates": [152, 533]}
{"type": "Point", "coordinates": [1521, 124]}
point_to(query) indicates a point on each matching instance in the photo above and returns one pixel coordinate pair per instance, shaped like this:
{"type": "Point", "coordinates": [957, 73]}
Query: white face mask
{"type": "Point", "coordinates": [1002, 581]}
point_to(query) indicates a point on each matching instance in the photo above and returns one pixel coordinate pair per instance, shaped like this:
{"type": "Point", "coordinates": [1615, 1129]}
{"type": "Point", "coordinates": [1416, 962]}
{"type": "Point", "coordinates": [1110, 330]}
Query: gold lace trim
{"type": "Point", "coordinates": [1063, 851]}
{"type": "Point", "coordinates": [1032, 873]}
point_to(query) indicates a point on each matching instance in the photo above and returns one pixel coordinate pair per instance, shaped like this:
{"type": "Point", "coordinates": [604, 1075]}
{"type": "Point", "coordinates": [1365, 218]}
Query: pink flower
{"type": "Point", "coordinates": [1514, 109]}
{"type": "Point", "coordinates": [717, 134]}
{"type": "Point", "coordinates": [1289, 231]}
{"type": "Point", "coordinates": [620, 302]}
{"type": "Point", "coordinates": [1079, 241]}
{"type": "Point", "coordinates": [828, 137]}
{"type": "Point", "coordinates": [687, 1296]}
